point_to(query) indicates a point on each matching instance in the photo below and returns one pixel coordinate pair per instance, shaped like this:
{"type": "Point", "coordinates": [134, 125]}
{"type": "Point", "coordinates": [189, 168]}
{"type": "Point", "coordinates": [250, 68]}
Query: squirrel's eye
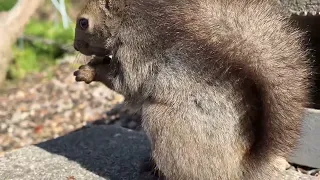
{"type": "Point", "coordinates": [84, 23]}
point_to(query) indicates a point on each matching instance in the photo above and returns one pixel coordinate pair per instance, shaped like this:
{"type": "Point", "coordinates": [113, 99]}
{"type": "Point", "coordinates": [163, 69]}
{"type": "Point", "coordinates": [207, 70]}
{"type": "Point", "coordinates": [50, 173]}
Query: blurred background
{"type": "Point", "coordinates": [39, 98]}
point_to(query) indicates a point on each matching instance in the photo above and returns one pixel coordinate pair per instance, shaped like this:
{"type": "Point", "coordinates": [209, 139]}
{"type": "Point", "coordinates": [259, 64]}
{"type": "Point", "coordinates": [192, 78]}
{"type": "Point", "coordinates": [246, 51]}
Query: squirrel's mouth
{"type": "Point", "coordinates": [89, 49]}
{"type": "Point", "coordinates": [107, 58]}
{"type": "Point", "coordinates": [102, 55]}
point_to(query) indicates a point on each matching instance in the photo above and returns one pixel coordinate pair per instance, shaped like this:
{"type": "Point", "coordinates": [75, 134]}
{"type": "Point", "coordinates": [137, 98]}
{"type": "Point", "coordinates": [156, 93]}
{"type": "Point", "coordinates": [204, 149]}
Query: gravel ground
{"type": "Point", "coordinates": [40, 108]}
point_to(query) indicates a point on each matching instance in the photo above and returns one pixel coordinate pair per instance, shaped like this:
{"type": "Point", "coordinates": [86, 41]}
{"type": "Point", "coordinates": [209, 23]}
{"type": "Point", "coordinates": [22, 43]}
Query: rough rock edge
{"type": "Point", "coordinates": [294, 175]}
{"type": "Point", "coordinates": [98, 152]}
{"type": "Point", "coordinates": [301, 7]}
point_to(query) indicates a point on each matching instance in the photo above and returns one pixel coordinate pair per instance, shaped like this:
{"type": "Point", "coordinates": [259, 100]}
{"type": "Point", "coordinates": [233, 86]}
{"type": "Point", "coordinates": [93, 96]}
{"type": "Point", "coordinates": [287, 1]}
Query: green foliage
{"type": "Point", "coordinates": [50, 30]}
{"type": "Point", "coordinates": [36, 56]}
{"type": "Point", "coordinates": [26, 60]}
{"type": "Point", "coordinates": [6, 5]}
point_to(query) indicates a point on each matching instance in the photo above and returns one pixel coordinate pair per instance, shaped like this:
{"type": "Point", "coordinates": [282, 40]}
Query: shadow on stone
{"type": "Point", "coordinates": [111, 152]}
{"type": "Point", "coordinates": [107, 151]}
{"type": "Point", "coordinates": [98, 152]}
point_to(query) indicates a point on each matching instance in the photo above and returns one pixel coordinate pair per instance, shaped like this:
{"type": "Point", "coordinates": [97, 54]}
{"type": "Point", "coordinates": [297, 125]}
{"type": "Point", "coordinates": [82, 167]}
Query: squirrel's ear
{"type": "Point", "coordinates": [115, 6]}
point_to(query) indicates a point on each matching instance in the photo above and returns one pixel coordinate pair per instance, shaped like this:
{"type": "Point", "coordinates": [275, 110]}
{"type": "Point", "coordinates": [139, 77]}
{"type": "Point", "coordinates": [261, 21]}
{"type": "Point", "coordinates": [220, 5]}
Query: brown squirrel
{"type": "Point", "coordinates": [222, 84]}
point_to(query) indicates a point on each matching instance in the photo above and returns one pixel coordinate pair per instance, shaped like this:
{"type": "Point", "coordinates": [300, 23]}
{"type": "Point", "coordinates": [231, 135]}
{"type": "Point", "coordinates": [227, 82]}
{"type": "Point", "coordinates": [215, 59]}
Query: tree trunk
{"type": "Point", "coordinates": [12, 26]}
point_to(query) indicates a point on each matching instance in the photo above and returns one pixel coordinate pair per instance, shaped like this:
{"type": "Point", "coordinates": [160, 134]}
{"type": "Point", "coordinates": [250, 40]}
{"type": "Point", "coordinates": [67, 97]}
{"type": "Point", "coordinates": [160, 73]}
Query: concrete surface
{"type": "Point", "coordinates": [109, 152]}
{"type": "Point", "coordinates": [308, 151]}
{"type": "Point", "coordinates": [101, 152]}
{"type": "Point", "coordinates": [302, 7]}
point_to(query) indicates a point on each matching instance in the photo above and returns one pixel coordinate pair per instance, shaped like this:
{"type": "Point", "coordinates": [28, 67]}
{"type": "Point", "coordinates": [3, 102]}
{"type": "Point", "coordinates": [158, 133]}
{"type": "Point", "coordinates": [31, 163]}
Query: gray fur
{"type": "Point", "coordinates": [221, 83]}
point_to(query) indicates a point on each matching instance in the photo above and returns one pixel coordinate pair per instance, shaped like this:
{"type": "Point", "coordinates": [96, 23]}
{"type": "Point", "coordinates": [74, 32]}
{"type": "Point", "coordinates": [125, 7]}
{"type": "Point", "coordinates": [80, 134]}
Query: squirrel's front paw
{"type": "Point", "coordinates": [85, 73]}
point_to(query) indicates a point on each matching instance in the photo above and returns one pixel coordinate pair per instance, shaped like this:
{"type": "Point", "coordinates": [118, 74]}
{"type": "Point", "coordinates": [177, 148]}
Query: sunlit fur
{"type": "Point", "coordinates": [222, 84]}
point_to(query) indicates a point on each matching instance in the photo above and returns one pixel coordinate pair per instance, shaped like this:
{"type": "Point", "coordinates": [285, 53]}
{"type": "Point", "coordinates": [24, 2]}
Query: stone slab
{"type": "Point", "coordinates": [308, 150]}
{"type": "Point", "coordinates": [101, 152]}
{"type": "Point", "coordinates": [302, 7]}
{"type": "Point", "coordinates": [112, 153]}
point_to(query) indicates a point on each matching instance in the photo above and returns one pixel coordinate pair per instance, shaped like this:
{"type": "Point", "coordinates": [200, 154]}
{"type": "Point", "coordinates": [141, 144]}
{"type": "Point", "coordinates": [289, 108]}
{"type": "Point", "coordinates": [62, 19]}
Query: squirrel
{"type": "Point", "coordinates": [221, 85]}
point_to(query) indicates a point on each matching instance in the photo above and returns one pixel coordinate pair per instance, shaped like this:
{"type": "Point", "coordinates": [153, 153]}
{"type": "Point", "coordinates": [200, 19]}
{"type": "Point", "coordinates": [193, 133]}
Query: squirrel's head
{"type": "Point", "coordinates": [97, 27]}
